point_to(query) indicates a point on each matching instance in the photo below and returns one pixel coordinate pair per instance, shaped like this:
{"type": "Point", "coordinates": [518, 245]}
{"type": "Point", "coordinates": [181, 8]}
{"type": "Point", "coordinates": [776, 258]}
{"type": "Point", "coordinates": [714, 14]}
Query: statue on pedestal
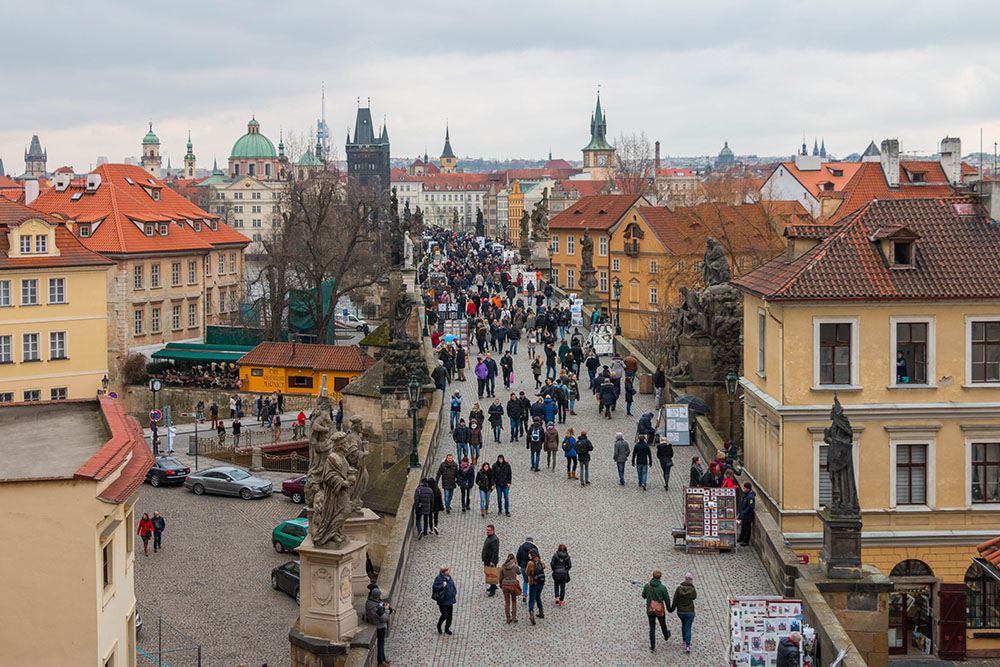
{"type": "Point", "coordinates": [401, 311]}
{"type": "Point", "coordinates": [540, 218]}
{"type": "Point", "coordinates": [588, 279]}
{"type": "Point", "coordinates": [332, 500]}
{"type": "Point", "coordinates": [480, 223]}
{"type": "Point", "coordinates": [840, 463]}
{"type": "Point", "coordinates": [407, 252]}
{"type": "Point", "coordinates": [695, 322]}
{"type": "Point", "coordinates": [320, 443]}
{"type": "Point", "coordinates": [396, 233]}
{"type": "Point", "coordinates": [357, 452]}
{"type": "Point", "coordinates": [715, 269]}
{"type": "Point", "coordinates": [523, 239]}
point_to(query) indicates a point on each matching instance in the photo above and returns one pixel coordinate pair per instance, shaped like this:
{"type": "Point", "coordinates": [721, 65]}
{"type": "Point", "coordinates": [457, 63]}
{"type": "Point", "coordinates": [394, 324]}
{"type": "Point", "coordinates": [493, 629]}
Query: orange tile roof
{"type": "Point", "coordinates": [594, 212]}
{"type": "Point", "coordinates": [684, 230]}
{"type": "Point", "coordinates": [10, 183]}
{"type": "Point", "coordinates": [868, 183]}
{"type": "Point", "coordinates": [305, 355]}
{"type": "Point", "coordinates": [585, 188]}
{"type": "Point", "coordinates": [71, 251]}
{"type": "Point", "coordinates": [118, 206]}
{"type": "Point", "coordinates": [990, 551]}
{"type": "Point", "coordinates": [813, 181]}
{"type": "Point", "coordinates": [126, 439]}
{"type": "Point", "coordinates": [671, 171]}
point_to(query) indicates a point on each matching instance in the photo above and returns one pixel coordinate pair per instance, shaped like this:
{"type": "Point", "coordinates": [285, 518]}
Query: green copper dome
{"type": "Point", "coordinates": [150, 138]}
{"type": "Point", "coordinates": [726, 150]}
{"type": "Point", "coordinates": [309, 159]}
{"type": "Point", "coordinates": [253, 144]}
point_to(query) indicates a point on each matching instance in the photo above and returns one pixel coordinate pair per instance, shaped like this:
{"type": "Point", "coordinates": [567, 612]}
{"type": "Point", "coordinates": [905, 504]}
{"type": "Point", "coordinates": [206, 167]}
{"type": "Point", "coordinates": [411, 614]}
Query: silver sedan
{"type": "Point", "coordinates": [228, 481]}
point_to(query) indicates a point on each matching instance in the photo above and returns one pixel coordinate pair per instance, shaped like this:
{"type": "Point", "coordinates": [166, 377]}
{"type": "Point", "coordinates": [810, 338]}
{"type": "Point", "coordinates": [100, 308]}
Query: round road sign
{"type": "Point", "coordinates": [155, 415]}
{"type": "Point", "coordinates": [113, 394]}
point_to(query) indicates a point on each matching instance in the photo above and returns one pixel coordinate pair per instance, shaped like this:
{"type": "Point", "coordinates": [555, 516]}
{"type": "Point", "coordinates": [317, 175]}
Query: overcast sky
{"type": "Point", "coordinates": [513, 79]}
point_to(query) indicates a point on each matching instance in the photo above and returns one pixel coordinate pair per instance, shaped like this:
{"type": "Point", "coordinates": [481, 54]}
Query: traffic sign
{"type": "Point", "coordinates": [155, 415]}
{"type": "Point", "coordinates": [113, 394]}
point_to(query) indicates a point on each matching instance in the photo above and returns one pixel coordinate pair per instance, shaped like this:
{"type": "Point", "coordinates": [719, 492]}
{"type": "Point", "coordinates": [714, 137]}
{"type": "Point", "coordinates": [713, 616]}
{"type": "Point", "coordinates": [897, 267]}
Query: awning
{"type": "Point", "coordinates": [194, 355]}
{"type": "Point", "coordinates": [209, 347]}
{"type": "Point", "coordinates": [988, 567]}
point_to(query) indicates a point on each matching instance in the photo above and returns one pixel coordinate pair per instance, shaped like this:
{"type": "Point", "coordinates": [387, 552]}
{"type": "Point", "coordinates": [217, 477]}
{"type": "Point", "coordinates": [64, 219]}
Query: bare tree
{"type": "Point", "coordinates": [635, 165]}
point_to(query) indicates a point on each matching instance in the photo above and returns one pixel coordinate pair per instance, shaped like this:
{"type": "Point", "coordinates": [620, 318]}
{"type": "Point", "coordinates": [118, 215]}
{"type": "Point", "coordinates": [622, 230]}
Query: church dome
{"type": "Point", "coordinates": [726, 150]}
{"type": "Point", "coordinates": [253, 144]}
{"type": "Point", "coordinates": [309, 159]}
{"type": "Point", "coordinates": [150, 137]}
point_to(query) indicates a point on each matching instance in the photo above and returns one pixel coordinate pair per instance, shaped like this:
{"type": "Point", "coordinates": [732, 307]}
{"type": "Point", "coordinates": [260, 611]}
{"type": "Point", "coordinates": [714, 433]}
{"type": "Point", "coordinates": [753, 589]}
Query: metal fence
{"type": "Point", "coordinates": [159, 644]}
{"type": "Point", "coordinates": [285, 462]}
{"type": "Point", "coordinates": [243, 456]}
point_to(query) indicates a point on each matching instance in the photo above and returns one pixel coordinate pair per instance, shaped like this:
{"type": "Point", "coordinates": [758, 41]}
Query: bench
{"type": "Point", "coordinates": [678, 534]}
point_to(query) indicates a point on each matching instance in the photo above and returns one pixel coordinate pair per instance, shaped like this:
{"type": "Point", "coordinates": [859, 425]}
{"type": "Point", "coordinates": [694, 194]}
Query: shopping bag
{"type": "Point", "coordinates": [492, 575]}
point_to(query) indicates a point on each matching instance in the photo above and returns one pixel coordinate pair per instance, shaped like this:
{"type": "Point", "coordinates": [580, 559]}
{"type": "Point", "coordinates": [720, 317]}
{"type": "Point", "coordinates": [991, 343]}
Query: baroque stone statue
{"type": "Point", "coordinates": [540, 218]}
{"type": "Point", "coordinates": [586, 251]}
{"type": "Point", "coordinates": [715, 269]}
{"type": "Point", "coordinates": [357, 453]}
{"type": "Point", "coordinates": [401, 311]}
{"type": "Point", "coordinates": [407, 251]}
{"type": "Point", "coordinates": [840, 463]}
{"type": "Point", "coordinates": [332, 501]}
{"type": "Point", "coordinates": [695, 323]}
{"type": "Point", "coordinates": [480, 223]}
{"type": "Point", "coordinates": [319, 445]}
{"type": "Point", "coordinates": [523, 240]}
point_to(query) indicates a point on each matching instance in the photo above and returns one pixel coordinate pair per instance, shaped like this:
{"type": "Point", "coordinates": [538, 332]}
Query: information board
{"type": "Point", "coordinates": [710, 518]}
{"type": "Point", "coordinates": [602, 338]}
{"type": "Point", "coordinates": [676, 424]}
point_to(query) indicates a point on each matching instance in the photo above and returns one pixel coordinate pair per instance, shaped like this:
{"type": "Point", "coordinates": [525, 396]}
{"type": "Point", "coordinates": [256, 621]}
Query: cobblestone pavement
{"type": "Point", "coordinates": [211, 580]}
{"type": "Point", "coordinates": [614, 534]}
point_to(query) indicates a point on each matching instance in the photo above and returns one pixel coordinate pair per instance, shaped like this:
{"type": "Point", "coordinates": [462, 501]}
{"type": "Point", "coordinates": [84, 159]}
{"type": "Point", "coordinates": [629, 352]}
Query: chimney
{"type": "Point", "coordinates": [657, 153]}
{"type": "Point", "coordinates": [61, 181]}
{"type": "Point", "coordinates": [951, 159]}
{"type": "Point", "coordinates": [804, 162]}
{"type": "Point", "coordinates": [890, 162]}
{"type": "Point", "coordinates": [30, 191]}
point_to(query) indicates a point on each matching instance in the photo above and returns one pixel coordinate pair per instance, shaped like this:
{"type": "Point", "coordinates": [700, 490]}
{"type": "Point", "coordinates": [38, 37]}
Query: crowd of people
{"type": "Point", "coordinates": [502, 311]}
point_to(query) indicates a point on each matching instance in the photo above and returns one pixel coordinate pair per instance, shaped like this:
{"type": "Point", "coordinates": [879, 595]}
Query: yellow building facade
{"type": "Point", "coordinates": [515, 208]}
{"type": "Point", "coordinates": [860, 312]}
{"type": "Point", "coordinates": [299, 368]}
{"type": "Point", "coordinates": [53, 332]}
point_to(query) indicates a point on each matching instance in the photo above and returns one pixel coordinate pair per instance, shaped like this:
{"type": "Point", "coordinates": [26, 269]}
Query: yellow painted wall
{"type": "Point", "coordinates": [54, 607]}
{"type": "Point", "coordinates": [276, 378]}
{"type": "Point", "coordinates": [84, 319]}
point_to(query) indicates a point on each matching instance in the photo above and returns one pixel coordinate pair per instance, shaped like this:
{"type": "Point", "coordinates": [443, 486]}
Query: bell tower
{"type": "Point", "coordinates": [599, 155]}
{"type": "Point", "coordinates": [189, 160]}
{"type": "Point", "coordinates": [151, 152]}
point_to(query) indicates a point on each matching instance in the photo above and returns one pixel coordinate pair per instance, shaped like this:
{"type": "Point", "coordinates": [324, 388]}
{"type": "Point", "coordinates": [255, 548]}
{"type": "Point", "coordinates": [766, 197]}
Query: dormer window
{"type": "Point", "coordinates": [837, 172]}
{"type": "Point", "coordinates": [25, 245]}
{"type": "Point", "coordinates": [156, 194]}
{"type": "Point", "coordinates": [918, 177]}
{"type": "Point", "coordinates": [149, 229]}
{"type": "Point", "coordinates": [84, 231]}
{"type": "Point", "coordinates": [902, 254]}
{"type": "Point", "coordinates": [197, 225]}
{"type": "Point", "coordinates": [164, 228]}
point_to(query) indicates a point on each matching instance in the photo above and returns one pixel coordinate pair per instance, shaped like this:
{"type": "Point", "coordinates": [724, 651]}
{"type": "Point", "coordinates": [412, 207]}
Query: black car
{"type": "Point", "coordinates": [286, 578]}
{"type": "Point", "coordinates": [167, 470]}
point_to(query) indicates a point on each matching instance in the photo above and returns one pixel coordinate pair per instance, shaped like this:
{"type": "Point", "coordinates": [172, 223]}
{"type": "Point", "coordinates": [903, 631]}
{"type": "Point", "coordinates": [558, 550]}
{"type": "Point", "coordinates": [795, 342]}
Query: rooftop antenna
{"type": "Point", "coordinates": [323, 102]}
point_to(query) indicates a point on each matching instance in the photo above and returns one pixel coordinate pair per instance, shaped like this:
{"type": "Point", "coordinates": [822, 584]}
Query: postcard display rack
{"type": "Point", "coordinates": [758, 624]}
{"type": "Point", "coordinates": [709, 518]}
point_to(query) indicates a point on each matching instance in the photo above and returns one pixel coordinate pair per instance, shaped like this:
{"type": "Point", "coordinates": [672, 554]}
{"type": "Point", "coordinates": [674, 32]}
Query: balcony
{"type": "Point", "coordinates": [632, 248]}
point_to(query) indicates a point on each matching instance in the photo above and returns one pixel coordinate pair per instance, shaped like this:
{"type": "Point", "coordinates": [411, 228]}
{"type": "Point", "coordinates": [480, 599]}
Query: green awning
{"type": "Point", "coordinates": [209, 347]}
{"type": "Point", "coordinates": [192, 355]}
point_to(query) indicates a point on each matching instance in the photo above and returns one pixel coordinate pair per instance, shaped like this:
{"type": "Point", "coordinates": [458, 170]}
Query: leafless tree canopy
{"type": "Point", "coordinates": [635, 165]}
{"type": "Point", "coordinates": [330, 233]}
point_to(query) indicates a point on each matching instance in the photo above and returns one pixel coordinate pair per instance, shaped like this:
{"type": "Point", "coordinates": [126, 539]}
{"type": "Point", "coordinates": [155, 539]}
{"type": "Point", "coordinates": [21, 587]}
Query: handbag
{"type": "Point", "coordinates": [656, 608]}
{"type": "Point", "coordinates": [492, 575]}
{"type": "Point", "coordinates": [517, 587]}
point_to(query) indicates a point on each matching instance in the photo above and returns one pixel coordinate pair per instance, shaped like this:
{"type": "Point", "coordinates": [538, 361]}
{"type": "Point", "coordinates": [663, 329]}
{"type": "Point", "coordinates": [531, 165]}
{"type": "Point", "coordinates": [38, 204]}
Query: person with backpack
{"type": "Point", "coordinates": [461, 437]}
{"type": "Point", "coordinates": [562, 400]}
{"type": "Point", "coordinates": [608, 396]}
{"type": "Point", "coordinates": [475, 442]}
{"type": "Point", "coordinates": [569, 451]}
{"type": "Point", "coordinates": [551, 445]}
{"type": "Point", "coordinates": [443, 592]}
{"type": "Point", "coordinates": [502, 476]}
{"type": "Point", "coordinates": [560, 566]}
{"type": "Point", "coordinates": [657, 599]}
{"type": "Point", "coordinates": [620, 456]}
{"type": "Point", "coordinates": [456, 410]}
{"type": "Point", "coordinates": [510, 586]}
{"type": "Point", "coordinates": [583, 449]}
{"type": "Point", "coordinates": [514, 415]}
{"type": "Point", "coordinates": [523, 558]}
{"type": "Point", "coordinates": [535, 572]}
{"type": "Point", "coordinates": [535, 440]}
{"type": "Point", "coordinates": [466, 480]}
{"type": "Point", "coordinates": [665, 455]}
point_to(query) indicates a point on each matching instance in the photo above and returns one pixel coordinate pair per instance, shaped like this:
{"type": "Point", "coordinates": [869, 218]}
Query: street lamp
{"type": "Point", "coordinates": [617, 288]}
{"type": "Point", "coordinates": [413, 390]}
{"type": "Point", "coordinates": [732, 384]}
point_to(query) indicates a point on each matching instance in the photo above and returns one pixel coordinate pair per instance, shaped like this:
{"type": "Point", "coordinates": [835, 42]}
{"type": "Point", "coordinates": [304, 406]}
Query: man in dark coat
{"type": "Point", "coordinates": [747, 514]}
{"type": "Point", "coordinates": [788, 650]}
{"type": "Point", "coordinates": [423, 505]}
{"type": "Point", "coordinates": [523, 556]}
{"type": "Point", "coordinates": [491, 376]}
{"type": "Point", "coordinates": [447, 475]}
{"type": "Point", "coordinates": [514, 414]}
{"type": "Point", "coordinates": [491, 553]}
{"type": "Point", "coordinates": [502, 478]}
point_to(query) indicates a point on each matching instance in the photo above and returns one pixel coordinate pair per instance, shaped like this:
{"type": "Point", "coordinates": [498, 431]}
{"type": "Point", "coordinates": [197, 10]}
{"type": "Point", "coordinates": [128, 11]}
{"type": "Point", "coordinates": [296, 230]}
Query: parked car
{"type": "Point", "coordinates": [351, 322]}
{"type": "Point", "coordinates": [228, 481]}
{"type": "Point", "coordinates": [288, 535]}
{"type": "Point", "coordinates": [167, 470]}
{"type": "Point", "coordinates": [138, 621]}
{"type": "Point", "coordinates": [286, 578]}
{"type": "Point", "coordinates": [295, 489]}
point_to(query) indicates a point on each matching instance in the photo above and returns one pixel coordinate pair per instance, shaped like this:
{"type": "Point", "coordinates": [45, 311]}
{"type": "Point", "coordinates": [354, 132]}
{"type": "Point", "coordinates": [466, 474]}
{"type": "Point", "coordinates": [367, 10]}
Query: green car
{"type": "Point", "coordinates": [288, 535]}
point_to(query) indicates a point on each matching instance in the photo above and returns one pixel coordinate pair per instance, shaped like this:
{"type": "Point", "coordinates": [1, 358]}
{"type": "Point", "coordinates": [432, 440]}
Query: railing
{"type": "Point", "coordinates": [285, 462]}
{"type": "Point", "coordinates": [632, 248]}
{"type": "Point", "coordinates": [158, 643]}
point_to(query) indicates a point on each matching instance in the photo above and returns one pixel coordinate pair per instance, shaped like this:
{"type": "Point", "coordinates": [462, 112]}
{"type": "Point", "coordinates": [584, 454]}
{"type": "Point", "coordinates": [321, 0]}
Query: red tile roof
{"type": "Point", "coordinates": [121, 207]}
{"type": "Point", "coordinates": [558, 163]}
{"type": "Point", "coordinates": [957, 256]}
{"type": "Point", "coordinates": [814, 181]}
{"type": "Point", "coordinates": [868, 183]}
{"type": "Point", "coordinates": [71, 251]}
{"type": "Point", "coordinates": [585, 188]}
{"type": "Point", "coordinates": [667, 172]}
{"type": "Point", "coordinates": [304, 355]}
{"type": "Point", "coordinates": [595, 212]}
{"type": "Point", "coordinates": [684, 230]}
{"type": "Point", "coordinates": [9, 183]}
{"type": "Point", "coordinates": [127, 446]}
{"type": "Point", "coordinates": [990, 551]}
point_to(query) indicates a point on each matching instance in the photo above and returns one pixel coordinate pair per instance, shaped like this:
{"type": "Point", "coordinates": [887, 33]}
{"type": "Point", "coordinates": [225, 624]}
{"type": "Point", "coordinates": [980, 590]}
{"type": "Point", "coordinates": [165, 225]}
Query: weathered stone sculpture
{"type": "Point", "coordinates": [332, 500]}
{"type": "Point", "coordinates": [320, 432]}
{"type": "Point", "coordinates": [403, 358]}
{"type": "Point", "coordinates": [588, 275]}
{"type": "Point", "coordinates": [715, 270]}
{"type": "Point", "coordinates": [523, 246]}
{"type": "Point", "coordinates": [693, 315]}
{"type": "Point", "coordinates": [401, 311]}
{"type": "Point", "coordinates": [840, 463]}
{"type": "Point", "coordinates": [540, 218]}
{"type": "Point", "coordinates": [480, 223]}
{"type": "Point", "coordinates": [408, 258]}
{"type": "Point", "coordinates": [357, 453]}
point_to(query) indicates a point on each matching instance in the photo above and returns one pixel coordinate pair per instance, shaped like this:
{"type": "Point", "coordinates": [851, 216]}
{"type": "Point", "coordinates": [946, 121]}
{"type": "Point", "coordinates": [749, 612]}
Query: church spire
{"type": "Point", "coordinates": [447, 152]}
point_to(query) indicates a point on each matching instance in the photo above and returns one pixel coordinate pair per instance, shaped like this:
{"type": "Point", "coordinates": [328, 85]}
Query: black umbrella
{"type": "Point", "coordinates": [694, 403]}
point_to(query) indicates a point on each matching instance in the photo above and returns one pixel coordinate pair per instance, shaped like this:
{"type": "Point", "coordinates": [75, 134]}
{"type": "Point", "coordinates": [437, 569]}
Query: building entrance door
{"type": "Point", "coordinates": [910, 626]}
{"type": "Point", "coordinates": [951, 623]}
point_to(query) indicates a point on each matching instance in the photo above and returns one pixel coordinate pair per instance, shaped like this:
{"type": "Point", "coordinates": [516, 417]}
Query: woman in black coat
{"type": "Point", "coordinates": [608, 397]}
{"type": "Point", "coordinates": [665, 454]}
{"type": "Point", "coordinates": [438, 503]}
{"type": "Point", "coordinates": [696, 471]}
{"type": "Point", "coordinates": [484, 480]}
{"type": "Point", "coordinates": [583, 449]}
{"type": "Point", "coordinates": [496, 419]}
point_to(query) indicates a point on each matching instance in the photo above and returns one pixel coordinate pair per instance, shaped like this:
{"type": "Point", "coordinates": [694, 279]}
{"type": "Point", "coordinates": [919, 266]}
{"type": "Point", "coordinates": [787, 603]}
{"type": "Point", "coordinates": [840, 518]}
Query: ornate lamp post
{"type": "Point", "coordinates": [413, 390]}
{"type": "Point", "coordinates": [732, 384]}
{"type": "Point", "coordinates": [617, 288]}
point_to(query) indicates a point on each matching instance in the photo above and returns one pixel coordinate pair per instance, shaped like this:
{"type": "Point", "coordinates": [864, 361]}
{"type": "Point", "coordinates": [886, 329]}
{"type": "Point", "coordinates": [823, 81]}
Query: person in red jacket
{"type": "Point", "coordinates": [145, 532]}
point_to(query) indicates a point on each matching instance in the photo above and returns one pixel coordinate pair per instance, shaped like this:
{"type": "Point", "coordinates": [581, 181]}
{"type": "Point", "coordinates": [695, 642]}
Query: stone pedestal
{"type": "Point", "coordinates": [840, 557]}
{"type": "Point", "coordinates": [359, 529]}
{"type": "Point", "coordinates": [697, 352]}
{"type": "Point", "coordinates": [326, 601]}
{"type": "Point", "coordinates": [540, 255]}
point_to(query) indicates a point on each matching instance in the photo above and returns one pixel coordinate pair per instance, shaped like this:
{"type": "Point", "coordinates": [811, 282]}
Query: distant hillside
{"type": "Point", "coordinates": [476, 164]}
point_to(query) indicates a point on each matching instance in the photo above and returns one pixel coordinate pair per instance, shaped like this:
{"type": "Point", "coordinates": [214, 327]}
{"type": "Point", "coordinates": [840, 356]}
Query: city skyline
{"type": "Point", "coordinates": [691, 77]}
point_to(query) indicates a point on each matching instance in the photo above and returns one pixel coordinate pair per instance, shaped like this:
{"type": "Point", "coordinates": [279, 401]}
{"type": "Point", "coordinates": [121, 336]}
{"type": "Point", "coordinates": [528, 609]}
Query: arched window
{"type": "Point", "coordinates": [982, 598]}
{"type": "Point", "coordinates": [912, 568]}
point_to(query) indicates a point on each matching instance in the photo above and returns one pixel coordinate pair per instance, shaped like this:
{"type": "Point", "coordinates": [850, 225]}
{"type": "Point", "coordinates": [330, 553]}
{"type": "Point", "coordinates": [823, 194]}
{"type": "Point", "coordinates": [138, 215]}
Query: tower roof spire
{"type": "Point", "coordinates": [598, 129]}
{"type": "Point", "coordinates": [447, 152]}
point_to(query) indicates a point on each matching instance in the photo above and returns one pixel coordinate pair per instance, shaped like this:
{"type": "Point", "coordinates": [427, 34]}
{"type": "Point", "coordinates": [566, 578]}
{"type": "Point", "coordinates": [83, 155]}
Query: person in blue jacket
{"type": "Point", "coordinates": [551, 410]}
{"type": "Point", "coordinates": [445, 594]}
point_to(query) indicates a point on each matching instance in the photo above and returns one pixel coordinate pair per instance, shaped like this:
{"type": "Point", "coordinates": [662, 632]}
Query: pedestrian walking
{"type": "Point", "coordinates": [507, 369]}
{"type": "Point", "coordinates": [620, 456]}
{"type": "Point", "coordinates": [629, 394]}
{"type": "Point", "coordinates": [214, 411]}
{"type": "Point", "coordinates": [461, 437]}
{"type": "Point", "coordinates": [300, 425]}
{"type": "Point", "coordinates": [569, 451]}
{"type": "Point", "coordinates": [476, 415]}
{"type": "Point", "coordinates": [280, 401]}
{"type": "Point", "coordinates": [482, 375]}
{"type": "Point", "coordinates": [551, 446]}
{"type": "Point", "coordinates": [683, 604]}
{"type": "Point", "coordinates": [536, 370]}
{"type": "Point", "coordinates": [461, 362]}
{"type": "Point", "coordinates": [475, 441]}
{"type": "Point", "coordinates": [502, 476]}
{"type": "Point", "coordinates": [665, 455]}
{"type": "Point", "coordinates": [466, 480]}
{"type": "Point", "coordinates": [221, 430]}
{"type": "Point", "coordinates": [641, 458]}
{"type": "Point", "coordinates": [492, 372]}
{"type": "Point", "coordinates": [276, 422]}
{"type": "Point", "coordinates": [171, 434]}
{"type": "Point", "coordinates": [377, 613]}
{"type": "Point", "coordinates": [607, 397]}
{"type": "Point", "coordinates": [496, 418]}
{"type": "Point", "coordinates": [444, 593]}
{"type": "Point", "coordinates": [237, 430]}
{"type": "Point", "coordinates": [438, 504]}
{"type": "Point", "coordinates": [232, 407]}
{"type": "Point", "coordinates": [560, 566]}
{"type": "Point", "coordinates": [484, 480]}
{"type": "Point", "coordinates": [511, 587]}
{"type": "Point", "coordinates": [145, 532]}
{"type": "Point", "coordinates": [491, 554]}
{"type": "Point", "coordinates": [696, 471]}
{"type": "Point", "coordinates": [514, 415]}
{"type": "Point", "coordinates": [583, 449]}
{"type": "Point", "coordinates": [159, 525]}
{"type": "Point", "coordinates": [535, 439]}
{"type": "Point", "coordinates": [523, 558]}
{"type": "Point", "coordinates": [747, 513]}
{"type": "Point", "coordinates": [447, 475]}
{"type": "Point", "coordinates": [657, 602]}
{"type": "Point", "coordinates": [456, 410]}
{"type": "Point", "coordinates": [535, 572]}
{"type": "Point", "coordinates": [423, 505]}
{"type": "Point", "coordinates": [659, 384]}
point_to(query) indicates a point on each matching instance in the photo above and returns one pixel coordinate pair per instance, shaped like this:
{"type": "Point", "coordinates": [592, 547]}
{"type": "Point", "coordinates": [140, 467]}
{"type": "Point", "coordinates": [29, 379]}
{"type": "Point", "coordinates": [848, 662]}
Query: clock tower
{"type": "Point", "coordinates": [599, 155]}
